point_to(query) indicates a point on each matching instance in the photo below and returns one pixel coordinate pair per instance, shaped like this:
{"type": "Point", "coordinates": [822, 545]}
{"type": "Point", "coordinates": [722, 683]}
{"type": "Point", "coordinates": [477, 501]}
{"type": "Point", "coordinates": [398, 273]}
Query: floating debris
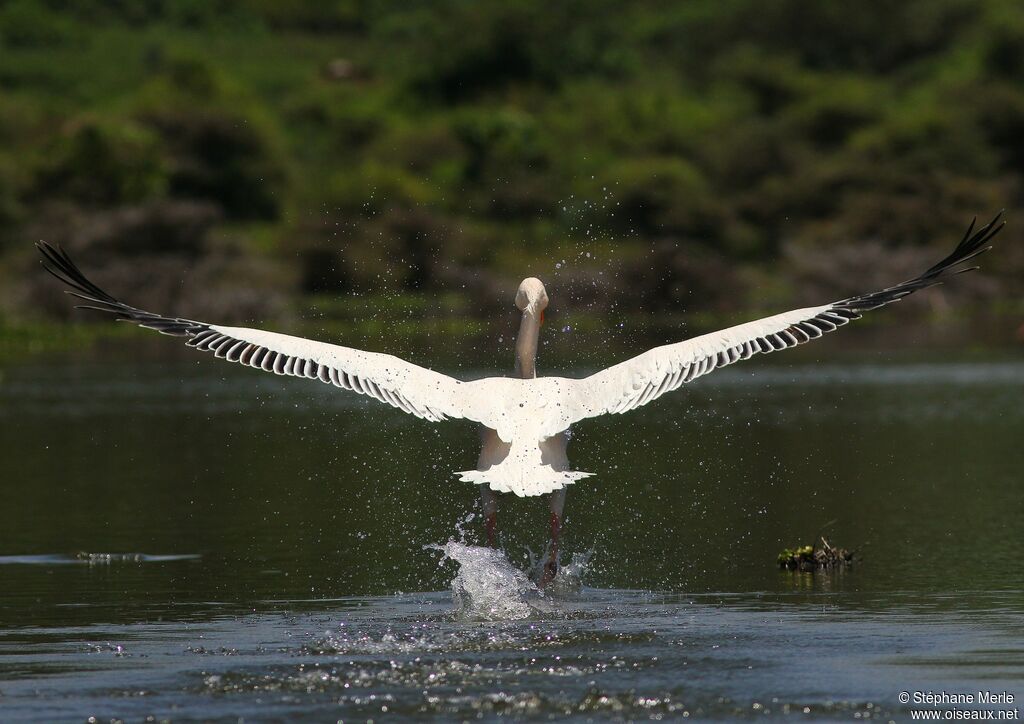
{"type": "Point", "coordinates": [811, 559]}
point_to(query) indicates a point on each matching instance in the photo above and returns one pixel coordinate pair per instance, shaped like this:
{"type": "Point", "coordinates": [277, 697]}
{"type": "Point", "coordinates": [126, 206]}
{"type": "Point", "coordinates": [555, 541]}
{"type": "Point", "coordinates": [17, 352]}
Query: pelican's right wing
{"type": "Point", "coordinates": [411, 388]}
{"type": "Point", "coordinates": [637, 381]}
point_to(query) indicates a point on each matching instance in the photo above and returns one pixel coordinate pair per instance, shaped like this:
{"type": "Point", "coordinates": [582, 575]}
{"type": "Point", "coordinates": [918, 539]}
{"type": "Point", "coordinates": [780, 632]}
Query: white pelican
{"type": "Point", "coordinates": [525, 418]}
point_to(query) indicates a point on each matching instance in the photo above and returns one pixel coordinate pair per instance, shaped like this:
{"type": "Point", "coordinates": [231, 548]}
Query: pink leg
{"type": "Point", "coordinates": [491, 524]}
{"type": "Point", "coordinates": [551, 564]}
{"type": "Point", "coordinates": [489, 502]}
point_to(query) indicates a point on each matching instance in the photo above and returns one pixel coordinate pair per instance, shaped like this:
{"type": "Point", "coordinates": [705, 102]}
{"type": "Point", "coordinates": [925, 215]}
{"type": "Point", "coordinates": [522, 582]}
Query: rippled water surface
{"type": "Point", "coordinates": [189, 541]}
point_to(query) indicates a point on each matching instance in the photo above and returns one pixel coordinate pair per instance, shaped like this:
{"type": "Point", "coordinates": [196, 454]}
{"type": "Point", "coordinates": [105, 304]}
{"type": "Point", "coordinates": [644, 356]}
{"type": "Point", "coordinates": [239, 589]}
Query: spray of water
{"type": "Point", "coordinates": [568, 584]}
{"type": "Point", "coordinates": [489, 588]}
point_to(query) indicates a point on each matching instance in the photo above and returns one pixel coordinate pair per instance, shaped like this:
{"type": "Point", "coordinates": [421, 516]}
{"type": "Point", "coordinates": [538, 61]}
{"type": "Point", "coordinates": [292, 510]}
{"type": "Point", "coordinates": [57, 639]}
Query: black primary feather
{"type": "Point", "coordinates": [969, 247]}
{"type": "Point", "coordinates": [59, 264]}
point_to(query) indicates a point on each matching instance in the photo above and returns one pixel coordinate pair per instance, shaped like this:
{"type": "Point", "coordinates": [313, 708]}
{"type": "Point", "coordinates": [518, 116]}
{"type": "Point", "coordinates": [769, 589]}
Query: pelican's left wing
{"type": "Point", "coordinates": [411, 388]}
{"type": "Point", "coordinates": [637, 381]}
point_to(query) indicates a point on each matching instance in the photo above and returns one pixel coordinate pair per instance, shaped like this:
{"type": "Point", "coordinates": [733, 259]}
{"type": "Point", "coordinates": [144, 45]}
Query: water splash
{"type": "Point", "coordinates": [568, 584]}
{"type": "Point", "coordinates": [488, 587]}
{"type": "Point", "coordinates": [92, 559]}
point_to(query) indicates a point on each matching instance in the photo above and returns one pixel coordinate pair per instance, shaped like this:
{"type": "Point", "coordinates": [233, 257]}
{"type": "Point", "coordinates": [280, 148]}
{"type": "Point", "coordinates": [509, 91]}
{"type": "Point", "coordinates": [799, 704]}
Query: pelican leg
{"type": "Point", "coordinates": [557, 502]}
{"type": "Point", "coordinates": [489, 503]}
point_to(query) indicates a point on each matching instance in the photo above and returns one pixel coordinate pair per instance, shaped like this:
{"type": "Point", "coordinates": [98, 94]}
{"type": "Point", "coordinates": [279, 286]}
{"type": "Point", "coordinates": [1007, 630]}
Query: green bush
{"type": "Point", "coordinates": [102, 163]}
{"type": "Point", "coordinates": [657, 195]}
{"type": "Point", "coordinates": [31, 24]}
{"type": "Point", "coordinates": [459, 51]}
{"type": "Point", "coordinates": [837, 108]}
{"type": "Point", "coordinates": [315, 16]}
{"type": "Point", "coordinates": [372, 189]}
{"type": "Point", "coordinates": [388, 145]}
{"type": "Point", "coordinates": [218, 145]}
{"type": "Point", "coordinates": [498, 139]}
{"type": "Point", "coordinates": [10, 206]}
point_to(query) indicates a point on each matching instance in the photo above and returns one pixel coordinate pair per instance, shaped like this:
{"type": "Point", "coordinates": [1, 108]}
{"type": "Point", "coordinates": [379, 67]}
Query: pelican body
{"type": "Point", "coordinates": [525, 418]}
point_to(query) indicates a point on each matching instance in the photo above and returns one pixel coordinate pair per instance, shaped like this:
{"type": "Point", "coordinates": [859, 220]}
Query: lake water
{"type": "Point", "coordinates": [190, 541]}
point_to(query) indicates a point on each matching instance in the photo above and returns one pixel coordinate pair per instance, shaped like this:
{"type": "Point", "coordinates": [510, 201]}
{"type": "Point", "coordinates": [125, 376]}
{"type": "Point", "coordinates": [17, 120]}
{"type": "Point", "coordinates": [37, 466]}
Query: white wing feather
{"type": "Point", "coordinates": [647, 377]}
{"type": "Point", "coordinates": [409, 387]}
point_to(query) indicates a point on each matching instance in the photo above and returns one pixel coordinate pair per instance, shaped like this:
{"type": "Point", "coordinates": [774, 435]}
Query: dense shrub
{"type": "Point", "coordinates": [31, 24]}
{"type": "Point", "coordinates": [217, 147]}
{"type": "Point", "coordinates": [395, 146]}
{"type": "Point", "coordinates": [100, 163]}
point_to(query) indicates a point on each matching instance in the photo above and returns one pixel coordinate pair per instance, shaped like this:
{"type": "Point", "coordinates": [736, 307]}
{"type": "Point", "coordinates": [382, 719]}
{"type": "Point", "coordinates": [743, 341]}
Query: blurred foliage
{"type": "Point", "coordinates": [102, 164]}
{"type": "Point", "coordinates": [699, 156]}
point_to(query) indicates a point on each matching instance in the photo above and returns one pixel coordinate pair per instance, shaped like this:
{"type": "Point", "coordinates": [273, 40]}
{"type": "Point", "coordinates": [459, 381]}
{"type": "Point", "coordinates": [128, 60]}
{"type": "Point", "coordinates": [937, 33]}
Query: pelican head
{"type": "Point", "coordinates": [532, 298]}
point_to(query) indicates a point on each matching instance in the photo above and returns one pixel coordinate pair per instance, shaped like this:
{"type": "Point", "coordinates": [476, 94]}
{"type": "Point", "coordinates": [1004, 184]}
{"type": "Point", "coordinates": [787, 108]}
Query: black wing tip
{"type": "Point", "coordinates": [58, 263]}
{"type": "Point", "coordinates": [989, 230]}
{"type": "Point", "coordinates": [973, 244]}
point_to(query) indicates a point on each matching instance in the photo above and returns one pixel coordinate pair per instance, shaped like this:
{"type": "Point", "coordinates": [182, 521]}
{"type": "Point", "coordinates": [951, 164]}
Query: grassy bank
{"type": "Point", "coordinates": [662, 156]}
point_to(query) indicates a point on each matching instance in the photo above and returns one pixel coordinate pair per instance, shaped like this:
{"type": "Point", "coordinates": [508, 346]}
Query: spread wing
{"type": "Point", "coordinates": [413, 389]}
{"type": "Point", "coordinates": [637, 381]}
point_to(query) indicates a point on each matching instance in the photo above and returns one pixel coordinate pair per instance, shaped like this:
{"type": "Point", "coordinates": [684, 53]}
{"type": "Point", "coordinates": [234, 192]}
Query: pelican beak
{"type": "Point", "coordinates": [542, 316]}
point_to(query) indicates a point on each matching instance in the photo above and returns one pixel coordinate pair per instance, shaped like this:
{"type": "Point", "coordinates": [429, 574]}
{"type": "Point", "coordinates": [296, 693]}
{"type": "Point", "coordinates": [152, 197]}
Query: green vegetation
{"type": "Point", "coordinates": [809, 559]}
{"type": "Point", "coordinates": [640, 157]}
{"type": "Point", "coordinates": [19, 339]}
